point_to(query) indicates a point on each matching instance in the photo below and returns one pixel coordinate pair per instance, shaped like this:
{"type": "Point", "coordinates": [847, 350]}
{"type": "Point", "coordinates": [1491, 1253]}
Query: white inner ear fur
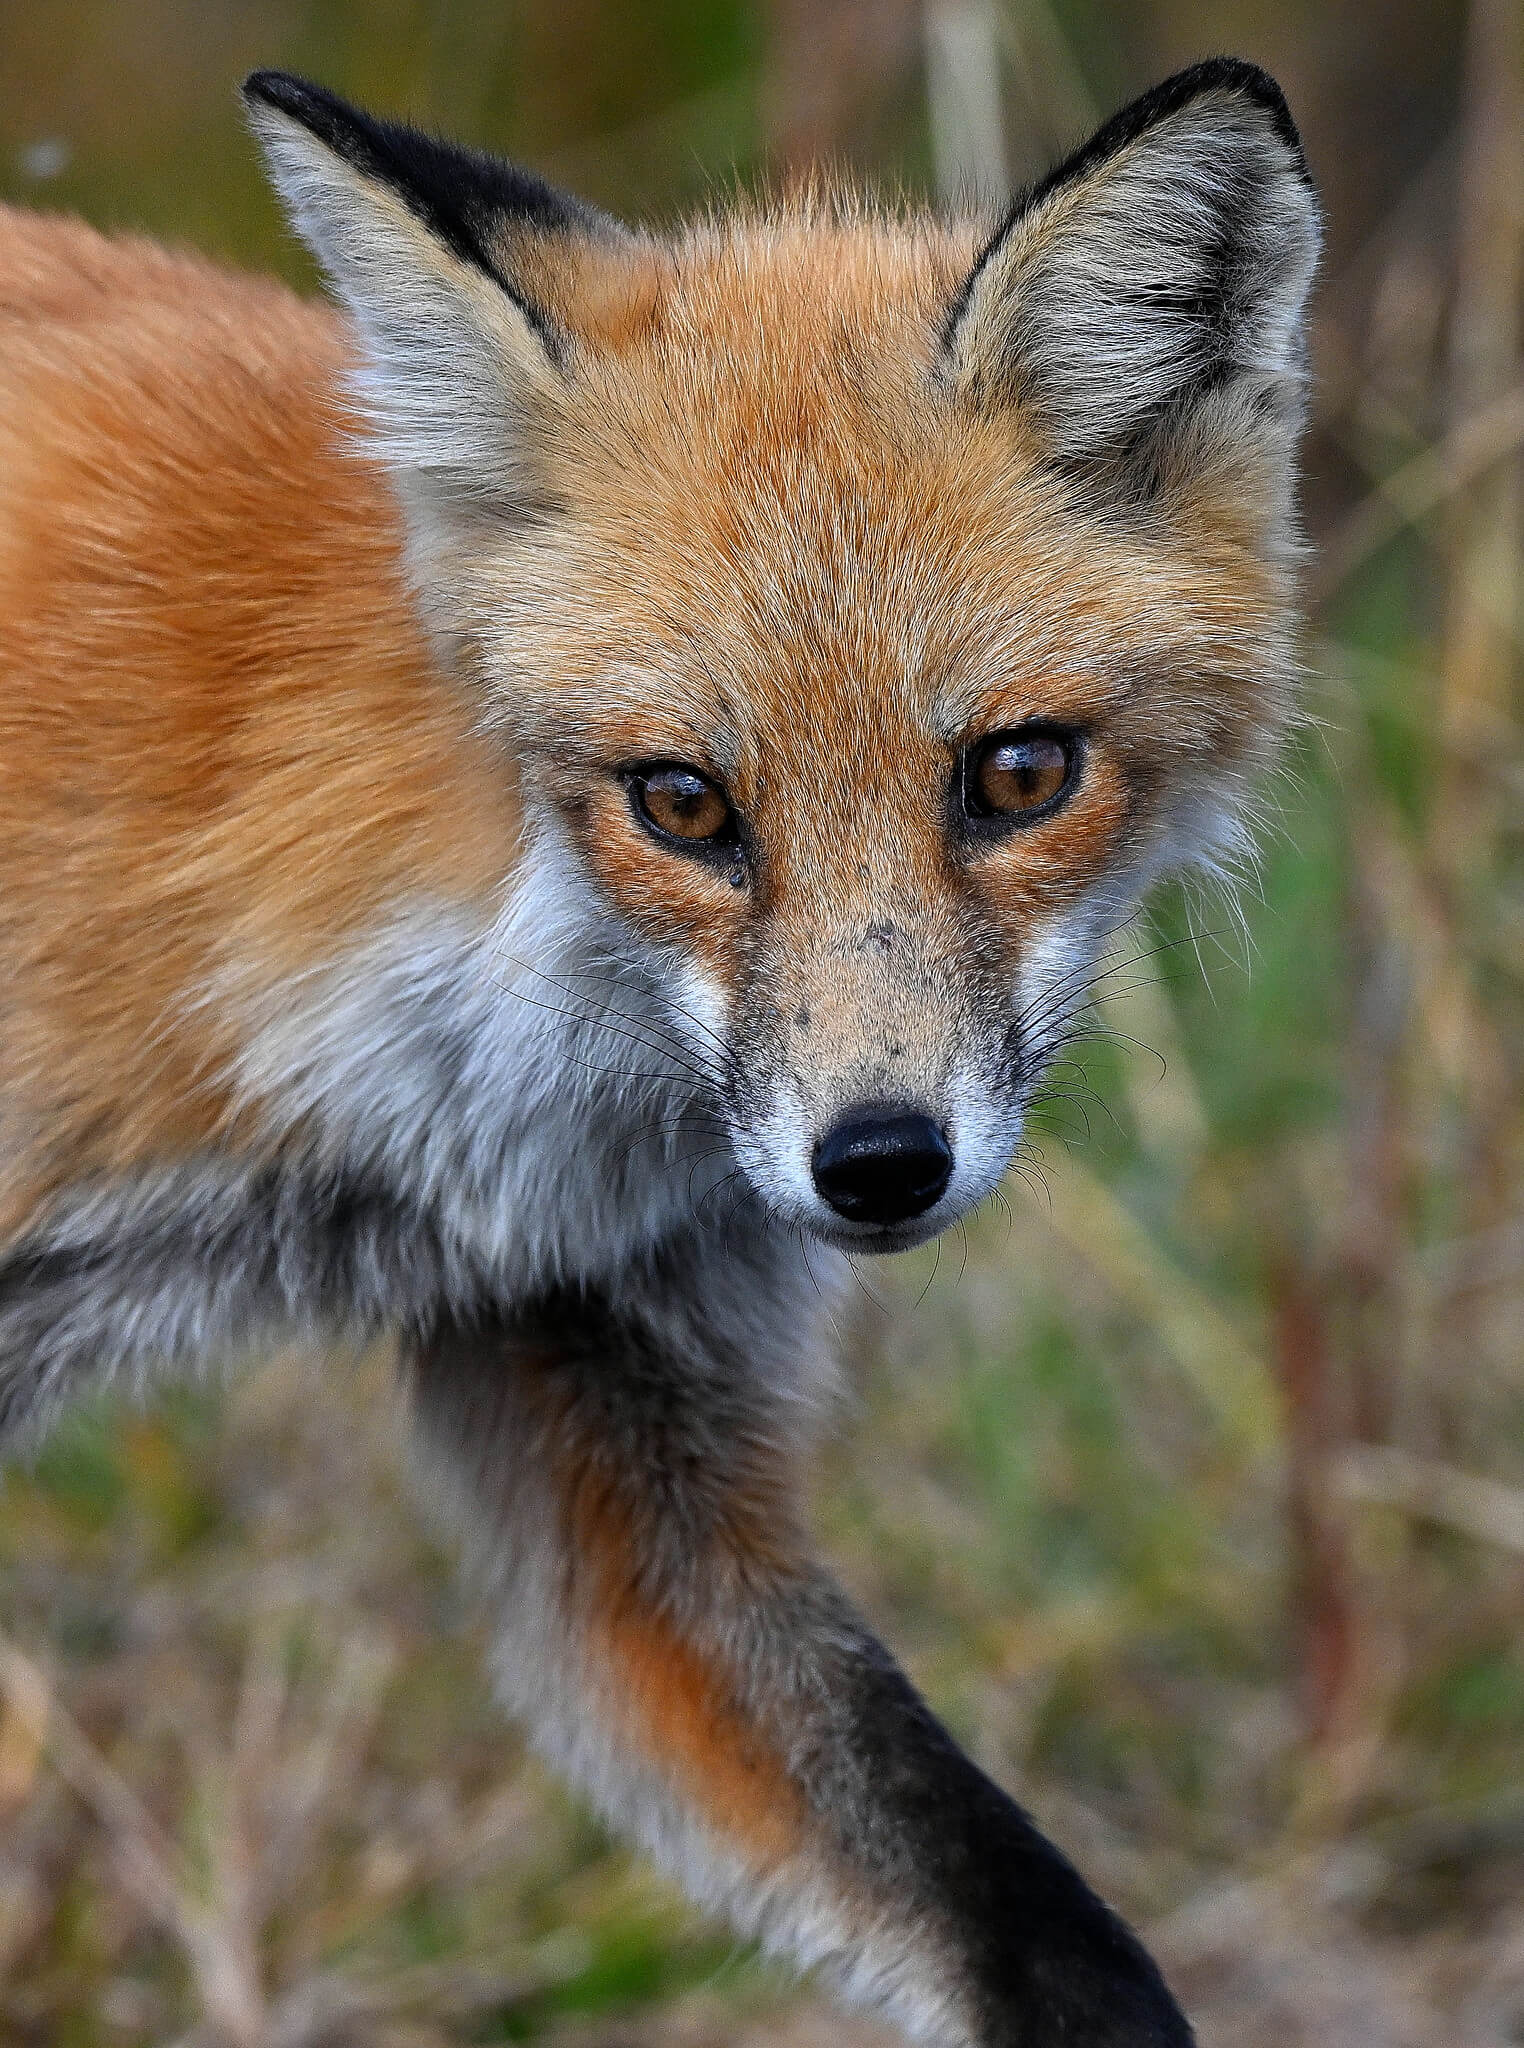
{"type": "Point", "coordinates": [452, 371]}
{"type": "Point", "coordinates": [1189, 251]}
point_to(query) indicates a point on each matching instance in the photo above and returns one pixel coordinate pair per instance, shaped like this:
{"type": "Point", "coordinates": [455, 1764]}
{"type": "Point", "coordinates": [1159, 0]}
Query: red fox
{"type": "Point", "coordinates": [540, 812]}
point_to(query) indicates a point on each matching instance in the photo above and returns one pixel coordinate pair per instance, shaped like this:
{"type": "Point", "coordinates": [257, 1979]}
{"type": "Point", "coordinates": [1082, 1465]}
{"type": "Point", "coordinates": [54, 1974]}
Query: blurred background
{"type": "Point", "coordinates": [1190, 1483]}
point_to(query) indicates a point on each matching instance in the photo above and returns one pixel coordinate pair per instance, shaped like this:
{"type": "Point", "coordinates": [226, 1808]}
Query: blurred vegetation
{"type": "Point", "coordinates": [1191, 1485]}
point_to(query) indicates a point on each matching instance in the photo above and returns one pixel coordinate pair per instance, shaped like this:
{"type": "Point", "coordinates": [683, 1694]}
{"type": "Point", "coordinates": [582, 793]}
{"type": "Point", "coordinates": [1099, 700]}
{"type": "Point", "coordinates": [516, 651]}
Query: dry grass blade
{"type": "Point", "coordinates": [1385, 1475]}
{"type": "Point", "coordinates": [152, 1867]}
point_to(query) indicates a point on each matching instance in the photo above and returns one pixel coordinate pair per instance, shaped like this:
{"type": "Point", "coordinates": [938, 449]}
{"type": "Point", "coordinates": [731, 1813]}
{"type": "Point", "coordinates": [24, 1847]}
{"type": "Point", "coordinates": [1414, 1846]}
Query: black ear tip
{"type": "Point", "coordinates": [275, 89]}
{"type": "Point", "coordinates": [1216, 77]}
{"type": "Point", "coordinates": [1237, 74]}
{"type": "Point", "coordinates": [297, 98]}
{"type": "Point", "coordinates": [345, 129]}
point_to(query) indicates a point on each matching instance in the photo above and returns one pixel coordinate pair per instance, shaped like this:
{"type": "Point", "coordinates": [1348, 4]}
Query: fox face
{"type": "Point", "coordinates": [869, 608]}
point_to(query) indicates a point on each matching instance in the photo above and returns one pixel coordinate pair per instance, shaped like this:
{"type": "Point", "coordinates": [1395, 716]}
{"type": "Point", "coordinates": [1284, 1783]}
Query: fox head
{"type": "Point", "coordinates": [870, 605]}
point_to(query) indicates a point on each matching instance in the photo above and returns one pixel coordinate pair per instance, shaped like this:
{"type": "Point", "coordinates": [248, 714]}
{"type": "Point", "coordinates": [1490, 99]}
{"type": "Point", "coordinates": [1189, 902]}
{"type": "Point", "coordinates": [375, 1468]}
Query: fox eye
{"type": "Point", "coordinates": [1020, 776]}
{"type": "Point", "coordinates": [677, 802]}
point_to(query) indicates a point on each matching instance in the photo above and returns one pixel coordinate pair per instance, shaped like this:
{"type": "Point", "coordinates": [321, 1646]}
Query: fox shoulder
{"type": "Point", "coordinates": [222, 733]}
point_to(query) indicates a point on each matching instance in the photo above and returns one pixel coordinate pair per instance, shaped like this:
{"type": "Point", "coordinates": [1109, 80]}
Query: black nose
{"type": "Point", "coordinates": [881, 1165]}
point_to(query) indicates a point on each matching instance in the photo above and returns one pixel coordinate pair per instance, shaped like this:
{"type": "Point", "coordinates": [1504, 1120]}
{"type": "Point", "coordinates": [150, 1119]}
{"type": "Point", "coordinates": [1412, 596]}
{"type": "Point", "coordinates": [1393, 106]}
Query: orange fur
{"type": "Point", "coordinates": [223, 738]}
{"type": "Point", "coordinates": [682, 1712]}
{"type": "Point", "coordinates": [665, 1695]}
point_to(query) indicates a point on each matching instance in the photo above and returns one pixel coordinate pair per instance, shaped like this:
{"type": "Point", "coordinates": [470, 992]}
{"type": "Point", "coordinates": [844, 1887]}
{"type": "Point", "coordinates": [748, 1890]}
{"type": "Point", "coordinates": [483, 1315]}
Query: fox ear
{"type": "Point", "coordinates": [1143, 305]}
{"type": "Point", "coordinates": [448, 261]}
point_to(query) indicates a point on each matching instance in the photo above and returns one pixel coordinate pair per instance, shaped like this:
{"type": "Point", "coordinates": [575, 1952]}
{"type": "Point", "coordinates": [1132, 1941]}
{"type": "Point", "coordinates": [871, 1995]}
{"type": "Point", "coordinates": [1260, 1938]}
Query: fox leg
{"type": "Point", "coordinates": [625, 1466]}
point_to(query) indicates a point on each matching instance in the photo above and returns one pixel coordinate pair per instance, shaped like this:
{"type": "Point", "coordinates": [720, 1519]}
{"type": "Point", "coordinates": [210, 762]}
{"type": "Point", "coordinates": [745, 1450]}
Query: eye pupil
{"type": "Point", "coordinates": [1018, 773]}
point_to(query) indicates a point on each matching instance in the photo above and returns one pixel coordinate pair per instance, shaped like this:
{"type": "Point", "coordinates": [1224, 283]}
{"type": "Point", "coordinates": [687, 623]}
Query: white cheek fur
{"type": "Point", "coordinates": [525, 1080]}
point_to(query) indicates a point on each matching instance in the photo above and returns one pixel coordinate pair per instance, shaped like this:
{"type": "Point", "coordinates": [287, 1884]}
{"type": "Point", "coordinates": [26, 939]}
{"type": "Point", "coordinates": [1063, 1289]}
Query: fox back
{"type": "Point", "coordinates": [608, 741]}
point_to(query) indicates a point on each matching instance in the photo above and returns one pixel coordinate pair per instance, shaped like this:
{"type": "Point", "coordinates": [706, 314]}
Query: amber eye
{"type": "Point", "coordinates": [1019, 776]}
{"type": "Point", "coordinates": [681, 803]}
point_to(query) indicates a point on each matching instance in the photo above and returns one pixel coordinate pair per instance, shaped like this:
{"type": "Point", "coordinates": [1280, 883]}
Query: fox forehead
{"type": "Point", "coordinates": [768, 502]}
